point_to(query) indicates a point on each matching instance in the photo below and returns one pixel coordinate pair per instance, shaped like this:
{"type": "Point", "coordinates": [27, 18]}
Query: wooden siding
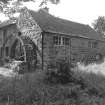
{"type": "Point", "coordinates": [10, 32]}
{"type": "Point", "coordinates": [77, 50]}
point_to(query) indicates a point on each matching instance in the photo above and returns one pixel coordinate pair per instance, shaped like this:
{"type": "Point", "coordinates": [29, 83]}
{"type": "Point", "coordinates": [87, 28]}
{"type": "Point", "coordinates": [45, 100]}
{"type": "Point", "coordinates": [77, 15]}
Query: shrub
{"type": "Point", "coordinates": [79, 88]}
{"type": "Point", "coordinates": [62, 74]}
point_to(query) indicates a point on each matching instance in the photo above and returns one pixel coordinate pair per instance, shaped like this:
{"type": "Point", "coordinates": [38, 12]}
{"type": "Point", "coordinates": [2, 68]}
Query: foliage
{"type": "Point", "coordinates": [53, 1]}
{"type": "Point", "coordinates": [10, 7]}
{"type": "Point", "coordinates": [62, 74]}
{"type": "Point", "coordinates": [95, 83]}
{"type": "Point", "coordinates": [31, 89]}
{"type": "Point", "coordinates": [99, 24]}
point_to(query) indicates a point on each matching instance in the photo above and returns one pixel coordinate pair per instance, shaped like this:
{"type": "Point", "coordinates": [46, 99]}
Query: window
{"type": "Point", "coordinates": [92, 44]}
{"type": "Point", "coordinates": [57, 40]}
{"type": "Point", "coordinates": [7, 51]}
{"type": "Point", "coordinates": [65, 41]}
{"type": "Point", "coordinates": [95, 44]}
{"type": "Point", "coordinates": [1, 51]}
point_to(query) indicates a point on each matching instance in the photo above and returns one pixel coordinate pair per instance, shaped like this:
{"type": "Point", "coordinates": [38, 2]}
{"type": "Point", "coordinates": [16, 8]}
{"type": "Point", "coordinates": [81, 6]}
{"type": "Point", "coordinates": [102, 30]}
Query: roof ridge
{"type": "Point", "coordinates": [48, 22]}
{"type": "Point", "coordinates": [41, 10]}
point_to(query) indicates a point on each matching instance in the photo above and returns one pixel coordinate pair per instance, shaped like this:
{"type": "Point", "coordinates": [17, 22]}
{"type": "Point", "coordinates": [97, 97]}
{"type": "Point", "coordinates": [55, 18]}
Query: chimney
{"type": "Point", "coordinates": [46, 9]}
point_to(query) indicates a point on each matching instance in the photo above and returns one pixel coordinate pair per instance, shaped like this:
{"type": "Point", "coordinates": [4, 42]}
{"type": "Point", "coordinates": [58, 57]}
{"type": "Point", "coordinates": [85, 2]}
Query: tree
{"type": "Point", "coordinates": [10, 7]}
{"type": "Point", "coordinates": [99, 24]}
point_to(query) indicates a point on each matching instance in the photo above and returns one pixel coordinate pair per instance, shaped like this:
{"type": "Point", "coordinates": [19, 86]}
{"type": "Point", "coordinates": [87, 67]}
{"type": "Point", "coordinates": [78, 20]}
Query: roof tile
{"type": "Point", "coordinates": [50, 23]}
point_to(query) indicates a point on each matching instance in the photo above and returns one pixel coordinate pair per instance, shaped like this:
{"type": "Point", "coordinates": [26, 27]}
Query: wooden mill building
{"type": "Point", "coordinates": [40, 38]}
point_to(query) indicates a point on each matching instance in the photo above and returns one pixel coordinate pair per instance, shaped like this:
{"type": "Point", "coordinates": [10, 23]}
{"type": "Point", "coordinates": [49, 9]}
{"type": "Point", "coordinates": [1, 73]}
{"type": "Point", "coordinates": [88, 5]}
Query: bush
{"type": "Point", "coordinates": [62, 74]}
{"type": "Point", "coordinates": [32, 89]}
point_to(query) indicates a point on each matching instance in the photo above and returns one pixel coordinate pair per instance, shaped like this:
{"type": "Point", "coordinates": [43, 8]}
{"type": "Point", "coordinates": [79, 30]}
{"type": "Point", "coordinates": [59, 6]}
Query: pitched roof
{"type": "Point", "coordinates": [50, 23]}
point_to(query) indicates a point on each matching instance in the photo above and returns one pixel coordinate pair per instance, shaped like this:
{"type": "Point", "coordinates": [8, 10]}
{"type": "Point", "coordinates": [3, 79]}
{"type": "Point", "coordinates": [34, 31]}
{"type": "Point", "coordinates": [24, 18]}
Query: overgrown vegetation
{"type": "Point", "coordinates": [79, 88]}
{"type": "Point", "coordinates": [62, 74]}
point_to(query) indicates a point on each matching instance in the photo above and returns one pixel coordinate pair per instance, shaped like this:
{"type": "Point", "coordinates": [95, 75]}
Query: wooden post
{"type": "Point", "coordinates": [70, 50]}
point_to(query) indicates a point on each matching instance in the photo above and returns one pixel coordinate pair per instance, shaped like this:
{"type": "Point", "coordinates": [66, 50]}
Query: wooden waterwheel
{"type": "Point", "coordinates": [24, 49]}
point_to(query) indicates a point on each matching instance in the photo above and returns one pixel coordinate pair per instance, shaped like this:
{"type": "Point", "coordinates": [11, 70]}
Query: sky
{"type": "Point", "coordinates": [81, 11]}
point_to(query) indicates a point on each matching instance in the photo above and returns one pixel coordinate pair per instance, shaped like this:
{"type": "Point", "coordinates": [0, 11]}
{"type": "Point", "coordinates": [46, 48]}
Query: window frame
{"type": "Point", "coordinates": [92, 44]}
{"type": "Point", "coordinates": [57, 40]}
{"type": "Point", "coordinates": [61, 40]}
{"type": "Point", "coordinates": [7, 51]}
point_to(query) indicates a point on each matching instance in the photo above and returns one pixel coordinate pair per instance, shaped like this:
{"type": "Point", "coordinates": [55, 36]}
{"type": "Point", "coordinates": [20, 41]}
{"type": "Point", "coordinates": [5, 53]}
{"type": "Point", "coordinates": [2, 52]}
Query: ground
{"type": "Point", "coordinates": [87, 88]}
{"type": "Point", "coordinates": [6, 72]}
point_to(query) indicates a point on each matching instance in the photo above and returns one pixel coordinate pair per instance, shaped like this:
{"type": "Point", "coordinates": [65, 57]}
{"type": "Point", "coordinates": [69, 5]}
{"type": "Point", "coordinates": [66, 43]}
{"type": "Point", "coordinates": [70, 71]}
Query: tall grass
{"type": "Point", "coordinates": [94, 77]}
{"type": "Point", "coordinates": [97, 68]}
{"type": "Point", "coordinates": [85, 88]}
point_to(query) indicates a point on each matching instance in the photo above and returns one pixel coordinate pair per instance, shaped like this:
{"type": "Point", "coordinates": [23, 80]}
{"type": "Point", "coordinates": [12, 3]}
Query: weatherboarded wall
{"type": "Point", "coordinates": [78, 50]}
{"type": "Point", "coordinates": [7, 37]}
{"type": "Point", "coordinates": [53, 53]}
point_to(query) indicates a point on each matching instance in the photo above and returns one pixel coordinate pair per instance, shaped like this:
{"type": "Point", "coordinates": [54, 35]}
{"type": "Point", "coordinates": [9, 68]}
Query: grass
{"type": "Point", "coordinates": [94, 82]}
{"type": "Point", "coordinates": [86, 88]}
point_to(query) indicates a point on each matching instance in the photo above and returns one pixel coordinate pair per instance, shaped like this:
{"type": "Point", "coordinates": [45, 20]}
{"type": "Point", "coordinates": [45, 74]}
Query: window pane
{"type": "Point", "coordinates": [66, 41]}
{"type": "Point", "coordinates": [59, 40]}
{"type": "Point", "coordinates": [7, 51]}
{"type": "Point", "coordinates": [1, 51]}
{"type": "Point", "coordinates": [63, 41]}
{"type": "Point", "coordinates": [95, 44]}
{"type": "Point", "coordinates": [55, 40]}
{"type": "Point", "coordinates": [92, 44]}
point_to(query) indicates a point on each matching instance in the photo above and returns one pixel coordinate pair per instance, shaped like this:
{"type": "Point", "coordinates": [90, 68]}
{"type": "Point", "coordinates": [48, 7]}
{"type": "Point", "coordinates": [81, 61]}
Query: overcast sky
{"type": "Point", "coordinates": [82, 11]}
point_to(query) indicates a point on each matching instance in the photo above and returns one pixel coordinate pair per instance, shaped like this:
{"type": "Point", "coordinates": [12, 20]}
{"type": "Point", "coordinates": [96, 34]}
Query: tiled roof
{"type": "Point", "coordinates": [50, 23]}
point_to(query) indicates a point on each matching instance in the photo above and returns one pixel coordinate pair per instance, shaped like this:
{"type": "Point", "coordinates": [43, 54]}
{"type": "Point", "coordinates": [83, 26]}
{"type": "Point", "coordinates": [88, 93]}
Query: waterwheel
{"type": "Point", "coordinates": [24, 49]}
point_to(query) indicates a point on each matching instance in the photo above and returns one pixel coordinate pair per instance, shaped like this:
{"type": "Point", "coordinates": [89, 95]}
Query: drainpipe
{"type": "Point", "coordinates": [70, 50]}
{"type": "Point", "coordinates": [42, 48]}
